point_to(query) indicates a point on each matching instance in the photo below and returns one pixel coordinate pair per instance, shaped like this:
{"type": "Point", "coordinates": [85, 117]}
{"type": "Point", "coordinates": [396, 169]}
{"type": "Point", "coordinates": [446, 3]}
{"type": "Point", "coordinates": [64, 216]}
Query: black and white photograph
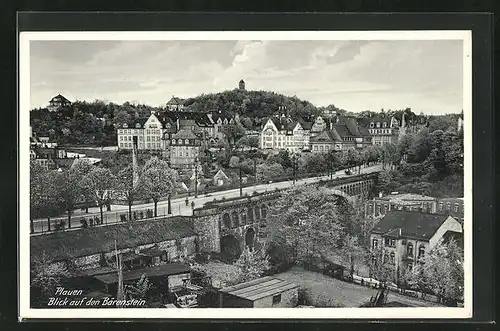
{"type": "Point", "coordinates": [181, 174]}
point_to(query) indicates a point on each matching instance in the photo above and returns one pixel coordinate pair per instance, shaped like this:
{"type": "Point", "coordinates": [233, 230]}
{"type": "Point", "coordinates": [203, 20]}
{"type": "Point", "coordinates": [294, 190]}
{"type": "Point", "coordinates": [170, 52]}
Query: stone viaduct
{"type": "Point", "coordinates": [228, 226]}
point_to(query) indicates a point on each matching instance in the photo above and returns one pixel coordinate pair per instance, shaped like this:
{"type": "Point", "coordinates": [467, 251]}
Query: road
{"type": "Point", "coordinates": [178, 205]}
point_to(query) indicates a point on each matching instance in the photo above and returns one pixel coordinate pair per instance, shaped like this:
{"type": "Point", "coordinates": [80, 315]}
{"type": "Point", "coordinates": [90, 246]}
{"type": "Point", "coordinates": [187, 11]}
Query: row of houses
{"type": "Point", "coordinates": [337, 133]}
{"type": "Point", "coordinates": [50, 156]}
{"type": "Point", "coordinates": [382, 205]}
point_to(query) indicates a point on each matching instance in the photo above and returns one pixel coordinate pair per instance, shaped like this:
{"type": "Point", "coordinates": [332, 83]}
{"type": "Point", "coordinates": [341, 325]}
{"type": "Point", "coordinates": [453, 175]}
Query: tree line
{"type": "Point", "coordinates": [52, 192]}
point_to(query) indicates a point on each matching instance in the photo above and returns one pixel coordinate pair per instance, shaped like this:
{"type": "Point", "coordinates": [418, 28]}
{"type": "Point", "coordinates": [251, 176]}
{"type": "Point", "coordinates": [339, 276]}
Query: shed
{"type": "Point", "coordinates": [266, 292]}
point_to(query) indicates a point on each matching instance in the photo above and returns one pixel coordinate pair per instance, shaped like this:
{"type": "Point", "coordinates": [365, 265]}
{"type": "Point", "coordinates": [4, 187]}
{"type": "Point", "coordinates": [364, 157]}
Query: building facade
{"type": "Point", "coordinates": [283, 133]}
{"type": "Point", "coordinates": [343, 135]}
{"type": "Point", "coordinates": [402, 238]}
{"type": "Point", "coordinates": [58, 102]}
{"type": "Point", "coordinates": [384, 129]}
{"type": "Point", "coordinates": [451, 206]}
{"type": "Point", "coordinates": [184, 149]}
{"type": "Point", "coordinates": [380, 206]}
{"type": "Point", "coordinates": [146, 131]}
{"type": "Point", "coordinates": [175, 104]}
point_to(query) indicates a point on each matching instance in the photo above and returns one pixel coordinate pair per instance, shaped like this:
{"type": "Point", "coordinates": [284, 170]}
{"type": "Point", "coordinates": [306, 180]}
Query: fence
{"type": "Point", "coordinates": [94, 220]}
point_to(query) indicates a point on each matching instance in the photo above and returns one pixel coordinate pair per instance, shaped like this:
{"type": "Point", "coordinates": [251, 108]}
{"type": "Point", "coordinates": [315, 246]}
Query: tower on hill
{"type": "Point", "coordinates": [242, 84]}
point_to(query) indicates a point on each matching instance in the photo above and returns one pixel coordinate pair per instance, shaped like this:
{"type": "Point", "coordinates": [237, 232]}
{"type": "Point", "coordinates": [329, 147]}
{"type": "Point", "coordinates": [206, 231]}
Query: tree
{"type": "Point", "coordinates": [380, 267]}
{"type": "Point", "coordinates": [353, 251]}
{"type": "Point", "coordinates": [441, 271]}
{"type": "Point", "coordinates": [314, 164]}
{"type": "Point", "coordinates": [125, 185]}
{"type": "Point", "coordinates": [45, 276]}
{"type": "Point", "coordinates": [139, 290]}
{"type": "Point", "coordinates": [267, 172]}
{"type": "Point", "coordinates": [158, 180]}
{"type": "Point", "coordinates": [43, 192]}
{"type": "Point", "coordinates": [101, 181]}
{"type": "Point", "coordinates": [68, 185]}
{"type": "Point", "coordinates": [234, 161]}
{"type": "Point", "coordinates": [82, 169]}
{"type": "Point", "coordinates": [308, 219]}
{"type": "Point", "coordinates": [252, 263]}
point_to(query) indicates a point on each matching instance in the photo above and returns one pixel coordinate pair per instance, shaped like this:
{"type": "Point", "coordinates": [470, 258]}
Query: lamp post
{"type": "Point", "coordinates": [196, 178]}
{"type": "Point", "coordinates": [241, 185]}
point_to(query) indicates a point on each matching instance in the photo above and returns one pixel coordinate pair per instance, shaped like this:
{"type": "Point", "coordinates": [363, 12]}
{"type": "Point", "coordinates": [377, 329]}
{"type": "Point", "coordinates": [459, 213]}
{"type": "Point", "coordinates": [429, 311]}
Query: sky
{"type": "Point", "coordinates": [425, 75]}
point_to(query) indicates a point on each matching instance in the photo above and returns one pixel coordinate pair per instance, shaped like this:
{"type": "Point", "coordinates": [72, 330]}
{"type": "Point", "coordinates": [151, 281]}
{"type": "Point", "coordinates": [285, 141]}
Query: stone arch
{"type": "Point", "coordinates": [230, 249]}
{"type": "Point", "coordinates": [257, 212]}
{"type": "Point", "coordinates": [250, 238]}
{"type": "Point", "coordinates": [263, 210]}
{"type": "Point", "coordinates": [226, 221]}
{"type": "Point", "coordinates": [235, 219]}
{"type": "Point", "coordinates": [243, 217]}
{"type": "Point", "coordinates": [250, 217]}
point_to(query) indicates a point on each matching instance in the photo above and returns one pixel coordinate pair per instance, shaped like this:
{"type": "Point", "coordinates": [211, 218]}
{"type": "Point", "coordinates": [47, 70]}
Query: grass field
{"type": "Point", "coordinates": [324, 291]}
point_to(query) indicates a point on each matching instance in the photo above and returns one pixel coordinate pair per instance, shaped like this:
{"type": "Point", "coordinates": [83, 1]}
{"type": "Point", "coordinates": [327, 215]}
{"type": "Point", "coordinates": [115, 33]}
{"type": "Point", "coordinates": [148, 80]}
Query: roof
{"type": "Point", "coordinates": [133, 123]}
{"type": "Point", "coordinates": [175, 101]}
{"type": "Point", "coordinates": [60, 97]}
{"type": "Point", "coordinates": [83, 242]}
{"type": "Point", "coordinates": [221, 173]}
{"type": "Point", "coordinates": [406, 197]}
{"type": "Point", "coordinates": [409, 224]}
{"type": "Point", "coordinates": [97, 271]}
{"type": "Point", "coordinates": [381, 118]}
{"type": "Point", "coordinates": [184, 134]}
{"type": "Point", "coordinates": [259, 288]}
{"type": "Point", "coordinates": [160, 270]}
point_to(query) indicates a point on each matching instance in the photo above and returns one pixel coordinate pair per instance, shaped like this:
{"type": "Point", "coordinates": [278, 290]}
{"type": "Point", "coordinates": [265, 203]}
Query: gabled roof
{"type": "Point", "coordinates": [259, 288]}
{"type": "Point", "coordinates": [60, 246]}
{"type": "Point", "coordinates": [175, 101]}
{"type": "Point", "coordinates": [184, 134]}
{"type": "Point", "coordinates": [221, 173]}
{"type": "Point", "coordinates": [60, 97]}
{"type": "Point", "coordinates": [132, 124]}
{"type": "Point", "coordinates": [409, 224]}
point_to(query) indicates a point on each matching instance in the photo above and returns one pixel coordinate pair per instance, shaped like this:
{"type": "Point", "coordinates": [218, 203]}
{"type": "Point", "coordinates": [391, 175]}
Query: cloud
{"type": "Point", "coordinates": [354, 75]}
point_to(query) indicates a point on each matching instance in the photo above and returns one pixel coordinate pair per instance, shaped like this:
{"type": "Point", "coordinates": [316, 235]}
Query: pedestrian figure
{"type": "Point", "coordinates": [91, 221]}
{"type": "Point", "coordinates": [187, 202]}
{"type": "Point", "coordinates": [97, 221]}
{"type": "Point", "coordinates": [84, 223]}
{"type": "Point", "coordinates": [192, 204]}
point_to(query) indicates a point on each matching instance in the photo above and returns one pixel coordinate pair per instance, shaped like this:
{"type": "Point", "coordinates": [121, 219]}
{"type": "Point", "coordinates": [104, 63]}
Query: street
{"type": "Point", "coordinates": [178, 205]}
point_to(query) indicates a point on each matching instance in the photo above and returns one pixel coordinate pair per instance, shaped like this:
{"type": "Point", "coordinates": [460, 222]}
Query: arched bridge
{"type": "Point", "coordinates": [228, 226]}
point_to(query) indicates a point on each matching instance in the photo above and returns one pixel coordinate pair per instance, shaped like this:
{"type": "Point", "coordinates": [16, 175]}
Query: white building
{"type": "Point", "coordinates": [147, 132]}
{"type": "Point", "coordinates": [286, 134]}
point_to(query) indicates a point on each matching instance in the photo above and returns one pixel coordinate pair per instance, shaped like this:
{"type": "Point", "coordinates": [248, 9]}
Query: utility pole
{"type": "Point", "coordinates": [255, 171]}
{"type": "Point", "coordinates": [196, 179]}
{"type": "Point", "coordinates": [241, 187]}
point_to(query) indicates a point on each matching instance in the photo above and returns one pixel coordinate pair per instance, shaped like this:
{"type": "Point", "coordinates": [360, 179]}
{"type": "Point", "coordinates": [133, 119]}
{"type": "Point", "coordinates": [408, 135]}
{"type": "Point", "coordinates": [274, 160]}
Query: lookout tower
{"type": "Point", "coordinates": [242, 84]}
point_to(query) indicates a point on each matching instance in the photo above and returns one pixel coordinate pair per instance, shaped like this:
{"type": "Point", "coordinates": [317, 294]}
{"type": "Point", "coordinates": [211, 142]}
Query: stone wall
{"type": "Point", "coordinates": [208, 230]}
{"type": "Point", "coordinates": [289, 299]}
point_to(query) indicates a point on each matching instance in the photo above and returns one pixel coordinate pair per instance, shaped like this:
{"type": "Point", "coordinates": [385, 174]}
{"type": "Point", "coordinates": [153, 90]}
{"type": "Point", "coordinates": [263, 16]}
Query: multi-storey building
{"type": "Point", "coordinates": [184, 149]}
{"type": "Point", "coordinates": [451, 206]}
{"type": "Point", "coordinates": [384, 129]}
{"type": "Point", "coordinates": [380, 206]}
{"type": "Point", "coordinates": [404, 237]}
{"type": "Point", "coordinates": [343, 135]}
{"type": "Point", "coordinates": [58, 102]}
{"type": "Point", "coordinates": [175, 104]}
{"type": "Point", "coordinates": [286, 134]}
{"type": "Point", "coordinates": [319, 125]}
{"type": "Point", "coordinates": [146, 131]}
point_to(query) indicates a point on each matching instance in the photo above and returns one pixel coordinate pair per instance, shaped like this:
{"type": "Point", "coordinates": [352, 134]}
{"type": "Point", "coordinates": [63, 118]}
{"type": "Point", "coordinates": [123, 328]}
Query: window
{"type": "Point", "coordinates": [173, 141]}
{"type": "Point", "coordinates": [409, 249]}
{"type": "Point", "coordinates": [375, 243]}
{"type": "Point", "coordinates": [276, 299]}
{"type": "Point", "coordinates": [441, 206]}
{"type": "Point", "coordinates": [378, 125]}
{"type": "Point", "coordinates": [456, 208]}
{"type": "Point", "coordinates": [385, 125]}
{"type": "Point", "coordinates": [390, 242]}
{"type": "Point", "coordinates": [186, 141]}
{"type": "Point", "coordinates": [371, 125]}
{"type": "Point", "coordinates": [393, 258]}
{"type": "Point", "coordinates": [448, 206]}
{"type": "Point", "coordinates": [421, 251]}
{"type": "Point", "coordinates": [410, 266]}
{"type": "Point", "coordinates": [226, 221]}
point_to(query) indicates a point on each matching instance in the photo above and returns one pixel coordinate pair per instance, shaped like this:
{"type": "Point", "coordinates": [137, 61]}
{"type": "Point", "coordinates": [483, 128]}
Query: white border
{"type": "Point", "coordinates": [26, 312]}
